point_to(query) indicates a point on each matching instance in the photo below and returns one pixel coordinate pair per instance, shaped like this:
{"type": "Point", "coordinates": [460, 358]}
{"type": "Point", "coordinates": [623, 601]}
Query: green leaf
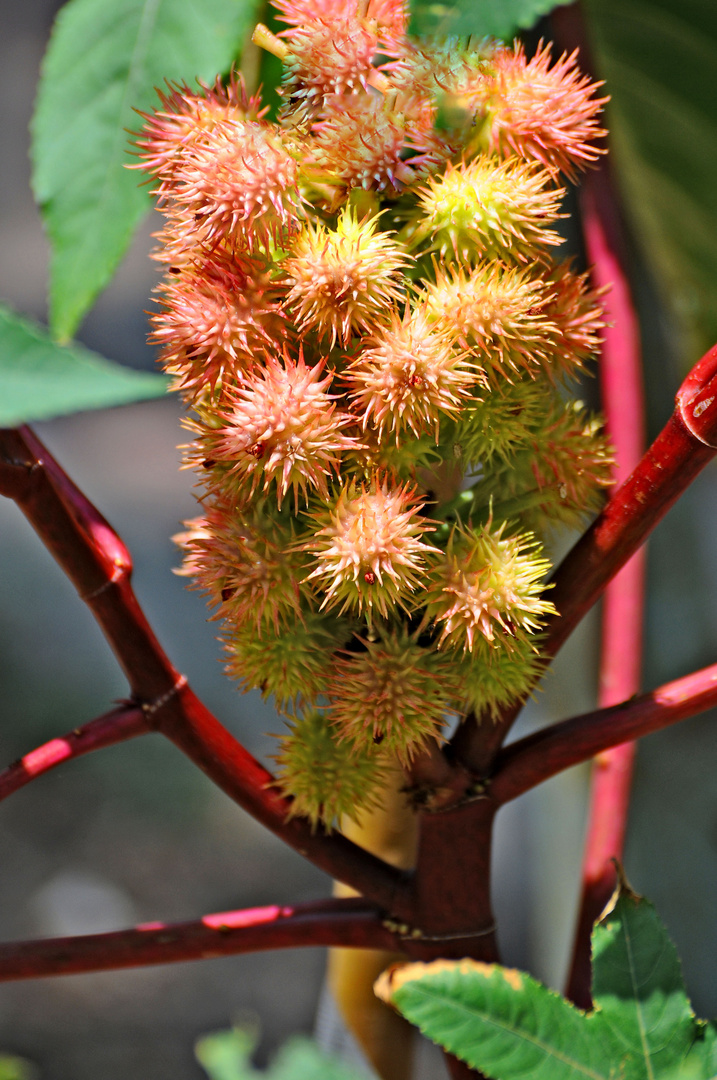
{"type": "Point", "coordinates": [637, 983]}
{"type": "Point", "coordinates": [659, 58]}
{"type": "Point", "coordinates": [104, 60]}
{"type": "Point", "coordinates": [40, 379]}
{"type": "Point", "coordinates": [509, 1026]}
{"type": "Point", "coordinates": [479, 18]}
{"type": "Point", "coordinates": [498, 1020]}
{"type": "Point", "coordinates": [226, 1055]}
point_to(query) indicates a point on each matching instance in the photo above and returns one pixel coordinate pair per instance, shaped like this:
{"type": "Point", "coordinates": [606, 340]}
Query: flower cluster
{"type": "Point", "coordinates": [364, 315]}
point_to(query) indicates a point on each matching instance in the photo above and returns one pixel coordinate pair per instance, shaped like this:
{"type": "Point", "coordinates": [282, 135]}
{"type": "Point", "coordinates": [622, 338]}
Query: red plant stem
{"type": "Point", "coordinates": [124, 723]}
{"type": "Point", "coordinates": [99, 565]}
{"type": "Point", "coordinates": [346, 922]}
{"type": "Point", "coordinates": [679, 453]}
{"type": "Point", "coordinates": [621, 651]}
{"type": "Point", "coordinates": [530, 761]}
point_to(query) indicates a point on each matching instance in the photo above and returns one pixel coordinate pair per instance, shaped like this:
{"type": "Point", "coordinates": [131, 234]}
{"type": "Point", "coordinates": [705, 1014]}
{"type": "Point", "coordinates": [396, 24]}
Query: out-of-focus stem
{"type": "Point", "coordinates": [121, 724]}
{"type": "Point", "coordinates": [327, 922]}
{"type": "Point", "coordinates": [622, 612]}
{"type": "Point", "coordinates": [530, 761]}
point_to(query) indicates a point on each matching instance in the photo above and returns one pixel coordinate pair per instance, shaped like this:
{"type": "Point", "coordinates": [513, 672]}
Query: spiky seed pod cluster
{"type": "Point", "coordinates": [363, 311]}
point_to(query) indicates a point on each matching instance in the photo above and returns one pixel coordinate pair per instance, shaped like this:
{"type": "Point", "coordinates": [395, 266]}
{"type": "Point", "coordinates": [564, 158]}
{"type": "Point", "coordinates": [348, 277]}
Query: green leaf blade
{"type": "Point", "coordinates": [104, 61]}
{"type": "Point", "coordinates": [479, 18]}
{"type": "Point", "coordinates": [40, 379]}
{"type": "Point", "coordinates": [638, 987]}
{"type": "Point", "coordinates": [500, 1021]}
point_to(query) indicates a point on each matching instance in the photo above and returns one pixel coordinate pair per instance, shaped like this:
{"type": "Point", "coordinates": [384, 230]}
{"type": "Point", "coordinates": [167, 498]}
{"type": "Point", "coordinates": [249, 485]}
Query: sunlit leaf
{"type": "Point", "coordinates": [104, 60]}
{"type": "Point", "coordinates": [479, 18]}
{"type": "Point", "coordinates": [40, 379]}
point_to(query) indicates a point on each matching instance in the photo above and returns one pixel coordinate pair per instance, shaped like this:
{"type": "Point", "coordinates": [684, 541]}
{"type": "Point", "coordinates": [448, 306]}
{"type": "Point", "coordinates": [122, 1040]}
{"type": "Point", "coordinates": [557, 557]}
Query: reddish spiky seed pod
{"type": "Point", "coordinates": [542, 113]}
{"type": "Point", "coordinates": [186, 118]}
{"type": "Point", "coordinates": [344, 280]}
{"type": "Point", "coordinates": [370, 553]}
{"type": "Point", "coordinates": [245, 561]}
{"type": "Point", "coordinates": [240, 183]}
{"type": "Point", "coordinates": [327, 57]}
{"type": "Point", "coordinates": [387, 14]}
{"type": "Point", "coordinates": [362, 142]}
{"type": "Point", "coordinates": [217, 313]}
{"type": "Point", "coordinates": [278, 426]}
{"type": "Point", "coordinates": [408, 377]}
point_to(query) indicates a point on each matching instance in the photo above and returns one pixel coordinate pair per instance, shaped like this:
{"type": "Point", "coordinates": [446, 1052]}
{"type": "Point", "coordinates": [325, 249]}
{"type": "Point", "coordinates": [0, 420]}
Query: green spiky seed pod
{"type": "Point", "coordinates": [395, 693]}
{"type": "Point", "coordinates": [497, 673]}
{"type": "Point", "coordinates": [566, 463]}
{"type": "Point", "coordinates": [496, 423]}
{"type": "Point", "coordinates": [487, 583]}
{"type": "Point", "coordinates": [290, 663]}
{"type": "Point", "coordinates": [326, 777]}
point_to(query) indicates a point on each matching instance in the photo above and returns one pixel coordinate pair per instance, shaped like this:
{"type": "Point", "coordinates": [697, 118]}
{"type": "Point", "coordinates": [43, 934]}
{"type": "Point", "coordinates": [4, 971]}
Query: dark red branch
{"type": "Point", "coordinates": [117, 726]}
{"type": "Point", "coordinates": [97, 562]}
{"type": "Point", "coordinates": [528, 762]}
{"type": "Point", "coordinates": [347, 922]}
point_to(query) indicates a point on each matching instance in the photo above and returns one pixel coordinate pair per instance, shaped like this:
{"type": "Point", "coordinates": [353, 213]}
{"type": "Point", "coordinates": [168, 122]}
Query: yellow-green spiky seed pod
{"type": "Point", "coordinates": [487, 583]}
{"type": "Point", "coordinates": [408, 376]}
{"type": "Point", "coordinates": [245, 560]}
{"type": "Point", "coordinates": [326, 777]}
{"type": "Point", "coordinates": [369, 549]}
{"type": "Point", "coordinates": [344, 280]}
{"type": "Point", "coordinates": [498, 313]}
{"type": "Point", "coordinates": [496, 673]}
{"type": "Point", "coordinates": [291, 662]}
{"type": "Point", "coordinates": [487, 209]}
{"type": "Point", "coordinates": [395, 693]}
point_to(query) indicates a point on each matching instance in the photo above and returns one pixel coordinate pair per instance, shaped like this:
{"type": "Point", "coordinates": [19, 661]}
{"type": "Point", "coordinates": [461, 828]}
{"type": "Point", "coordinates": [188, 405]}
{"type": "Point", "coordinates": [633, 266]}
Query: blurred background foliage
{"type": "Point", "coordinates": [136, 833]}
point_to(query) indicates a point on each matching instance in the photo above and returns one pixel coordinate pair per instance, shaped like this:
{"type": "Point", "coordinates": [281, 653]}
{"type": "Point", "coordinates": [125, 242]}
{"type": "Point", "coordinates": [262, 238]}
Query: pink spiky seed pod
{"type": "Point", "coordinates": [576, 309]}
{"type": "Point", "coordinates": [344, 280]}
{"type": "Point", "coordinates": [542, 113]}
{"type": "Point", "coordinates": [369, 550]}
{"type": "Point", "coordinates": [488, 209]}
{"type": "Point", "coordinates": [280, 426]}
{"type": "Point", "coordinates": [487, 583]}
{"type": "Point", "coordinates": [185, 118]}
{"type": "Point", "coordinates": [501, 314]}
{"type": "Point", "coordinates": [245, 561]}
{"type": "Point", "coordinates": [362, 142]}
{"type": "Point", "coordinates": [328, 56]}
{"type": "Point", "coordinates": [327, 778]}
{"type": "Point", "coordinates": [394, 694]}
{"type": "Point", "coordinates": [217, 313]}
{"type": "Point", "coordinates": [291, 662]}
{"type": "Point", "coordinates": [408, 376]}
{"type": "Point", "coordinates": [389, 15]}
{"type": "Point", "coordinates": [240, 184]}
